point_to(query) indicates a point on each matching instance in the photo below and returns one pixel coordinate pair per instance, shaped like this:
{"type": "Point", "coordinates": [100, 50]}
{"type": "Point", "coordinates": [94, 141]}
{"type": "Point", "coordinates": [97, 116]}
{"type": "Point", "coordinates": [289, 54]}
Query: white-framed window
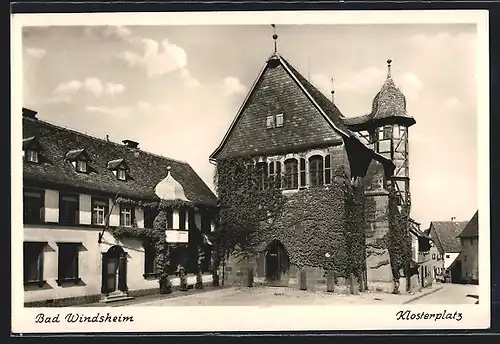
{"type": "Point", "coordinates": [270, 122]}
{"type": "Point", "coordinates": [279, 120]}
{"type": "Point", "coordinates": [126, 216]}
{"type": "Point", "coordinates": [381, 133]}
{"type": "Point", "coordinates": [31, 155]}
{"type": "Point", "coordinates": [396, 132]}
{"type": "Point", "coordinates": [99, 212]}
{"type": "Point", "coordinates": [81, 166]}
{"type": "Point", "coordinates": [121, 174]}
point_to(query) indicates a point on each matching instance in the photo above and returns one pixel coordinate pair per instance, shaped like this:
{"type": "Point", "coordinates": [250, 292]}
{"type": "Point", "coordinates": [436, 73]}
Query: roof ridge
{"type": "Point", "coordinates": [103, 140]}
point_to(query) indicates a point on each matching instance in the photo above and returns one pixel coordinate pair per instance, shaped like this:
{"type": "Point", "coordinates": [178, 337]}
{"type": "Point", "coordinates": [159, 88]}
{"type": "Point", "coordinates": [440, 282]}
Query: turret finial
{"type": "Point", "coordinates": [275, 38]}
{"type": "Point", "coordinates": [389, 62]}
{"type": "Point", "coordinates": [333, 92]}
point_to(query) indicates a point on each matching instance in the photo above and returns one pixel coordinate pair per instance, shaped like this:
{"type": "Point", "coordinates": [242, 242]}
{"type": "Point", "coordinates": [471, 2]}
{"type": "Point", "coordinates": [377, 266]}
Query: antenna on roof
{"type": "Point", "coordinates": [275, 38]}
{"type": "Point", "coordinates": [333, 93]}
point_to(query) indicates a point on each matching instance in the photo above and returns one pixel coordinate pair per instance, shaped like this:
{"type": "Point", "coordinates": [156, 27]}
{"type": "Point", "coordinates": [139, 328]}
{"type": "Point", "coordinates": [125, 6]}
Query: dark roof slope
{"type": "Point", "coordinates": [446, 233]}
{"type": "Point", "coordinates": [328, 107]}
{"type": "Point", "coordinates": [472, 228]}
{"type": "Point", "coordinates": [310, 117]}
{"type": "Point", "coordinates": [146, 169]}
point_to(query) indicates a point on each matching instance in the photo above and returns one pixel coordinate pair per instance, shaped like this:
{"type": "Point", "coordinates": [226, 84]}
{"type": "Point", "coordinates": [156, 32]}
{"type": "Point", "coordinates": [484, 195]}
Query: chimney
{"type": "Point", "coordinates": [130, 143]}
{"type": "Point", "coordinates": [29, 113]}
{"type": "Point", "coordinates": [453, 218]}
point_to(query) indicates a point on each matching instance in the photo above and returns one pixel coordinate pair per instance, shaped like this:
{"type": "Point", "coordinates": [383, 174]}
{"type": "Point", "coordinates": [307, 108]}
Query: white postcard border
{"type": "Point", "coordinates": [235, 318]}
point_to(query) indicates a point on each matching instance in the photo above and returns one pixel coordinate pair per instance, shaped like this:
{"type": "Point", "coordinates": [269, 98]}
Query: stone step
{"type": "Point", "coordinates": [115, 297]}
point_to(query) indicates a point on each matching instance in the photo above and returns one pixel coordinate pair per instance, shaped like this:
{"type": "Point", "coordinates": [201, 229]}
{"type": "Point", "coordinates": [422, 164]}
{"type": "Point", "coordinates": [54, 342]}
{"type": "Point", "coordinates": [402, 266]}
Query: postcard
{"type": "Point", "coordinates": [250, 171]}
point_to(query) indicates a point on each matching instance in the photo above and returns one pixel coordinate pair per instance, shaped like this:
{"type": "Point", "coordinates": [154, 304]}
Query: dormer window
{"type": "Point", "coordinates": [81, 166]}
{"type": "Point", "coordinates": [119, 168]}
{"type": "Point", "coordinates": [31, 155]}
{"type": "Point", "coordinates": [31, 149]}
{"type": "Point", "coordinates": [121, 174]}
{"type": "Point", "coordinates": [79, 159]}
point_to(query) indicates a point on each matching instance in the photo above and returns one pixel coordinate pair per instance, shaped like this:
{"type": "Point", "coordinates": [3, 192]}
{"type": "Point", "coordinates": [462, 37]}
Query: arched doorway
{"type": "Point", "coordinates": [277, 262]}
{"type": "Point", "coordinates": [114, 271]}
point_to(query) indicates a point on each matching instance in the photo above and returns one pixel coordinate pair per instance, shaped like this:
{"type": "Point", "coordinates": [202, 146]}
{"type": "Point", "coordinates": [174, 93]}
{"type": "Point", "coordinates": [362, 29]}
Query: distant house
{"type": "Point", "coordinates": [445, 236]}
{"type": "Point", "coordinates": [421, 245]}
{"type": "Point", "coordinates": [468, 257]}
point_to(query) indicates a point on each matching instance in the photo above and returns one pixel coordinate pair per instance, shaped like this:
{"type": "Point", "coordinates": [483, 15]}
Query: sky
{"type": "Point", "coordinates": [175, 90]}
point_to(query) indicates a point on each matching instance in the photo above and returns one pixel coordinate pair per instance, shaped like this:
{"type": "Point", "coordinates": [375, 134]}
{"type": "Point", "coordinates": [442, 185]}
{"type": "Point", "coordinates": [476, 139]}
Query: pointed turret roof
{"type": "Point", "coordinates": [170, 189]}
{"type": "Point", "coordinates": [388, 106]}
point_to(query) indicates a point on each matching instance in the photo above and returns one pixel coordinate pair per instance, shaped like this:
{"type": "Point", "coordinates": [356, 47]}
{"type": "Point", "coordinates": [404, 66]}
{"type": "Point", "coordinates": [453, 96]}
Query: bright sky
{"type": "Point", "coordinates": [175, 90]}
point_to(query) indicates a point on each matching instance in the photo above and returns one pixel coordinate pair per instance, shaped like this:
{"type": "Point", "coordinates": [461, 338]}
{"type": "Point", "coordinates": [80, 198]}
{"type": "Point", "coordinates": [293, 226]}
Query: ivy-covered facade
{"type": "Point", "coordinates": [301, 193]}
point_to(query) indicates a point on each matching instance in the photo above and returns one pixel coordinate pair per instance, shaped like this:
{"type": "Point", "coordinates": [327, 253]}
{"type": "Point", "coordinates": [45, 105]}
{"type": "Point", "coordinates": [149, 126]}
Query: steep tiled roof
{"type": "Point", "coordinates": [444, 234]}
{"type": "Point", "coordinates": [310, 118]}
{"type": "Point", "coordinates": [472, 228]}
{"type": "Point", "coordinates": [146, 169]}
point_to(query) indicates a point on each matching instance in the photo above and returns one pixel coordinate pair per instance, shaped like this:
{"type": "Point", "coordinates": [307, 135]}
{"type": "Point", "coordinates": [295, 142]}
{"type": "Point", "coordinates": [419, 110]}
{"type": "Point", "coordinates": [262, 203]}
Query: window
{"type": "Point", "coordinates": [261, 175]}
{"type": "Point", "coordinates": [328, 169]}
{"type": "Point", "coordinates": [81, 166]}
{"type": "Point", "coordinates": [149, 217]}
{"type": "Point", "coordinates": [387, 132]}
{"type": "Point", "coordinates": [33, 262]}
{"type": "Point", "coordinates": [271, 171]}
{"type": "Point", "coordinates": [170, 218]}
{"type": "Point", "coordinates": [149, 259]}
{"type": "Point", "coordinates": [291, 174]}
{"type": "Point", "coordinates": [302, 172]}
{"type": "Point", "coordinates": [433, 256]}
{"type": "Point", "coordinates": [33, 204]}
{"type": "Point", "coordinates": [68, 209]}
{"type": "Point", "coordinates": [121, 174]}
{"type": "Point", "coordinates": [381, 133]}
{"type": "Point", "coordinates": [316, 170]}
{"type": "Point", "coordinates": [278, 175]}
{"type": "Point", "coordinates": [68, 263]}
{"type": "Point", "coordinates": [126, 216]}
{"type": "Point", "coordinates": [465, 259]}
{"type": "Point", "coordinates": [99, 211]}
{"type": "Point", "coordinates": [182, 219]}
{"type": "Point", "coordinates": [270, 122]}
{"type": "Point", "coordinates": [279, 120]}
{"type": "Point", "coordinates": [447, 256]}
{"type": "Point", "coordinates": [31, 155]}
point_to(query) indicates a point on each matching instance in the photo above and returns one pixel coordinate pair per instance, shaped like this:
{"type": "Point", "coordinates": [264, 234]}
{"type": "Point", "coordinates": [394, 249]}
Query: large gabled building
{"type": "Point", "coordinates": [291, 129]}
{"type": "Point", "coordinates": [77, 190]}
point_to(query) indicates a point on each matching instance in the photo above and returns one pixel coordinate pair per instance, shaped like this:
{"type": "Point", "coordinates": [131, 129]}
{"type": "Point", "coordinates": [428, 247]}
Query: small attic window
{"type": "Point", "coordinates": [79, 159]}
{"type": "Point", "coordinates": [279, 120]}
{"type": "Point", "coordinates": [31, 155]}
{"type": "Point", "coordinates": [270, 122]}
{"type": "Point", "coordinates": [121, 174]}
{"type": "Point", "coordinates": [81, 166]}
{"type": "Point", "coordinates": [31, 149]}
{"type": "Point", "coordinates": [119, 168]}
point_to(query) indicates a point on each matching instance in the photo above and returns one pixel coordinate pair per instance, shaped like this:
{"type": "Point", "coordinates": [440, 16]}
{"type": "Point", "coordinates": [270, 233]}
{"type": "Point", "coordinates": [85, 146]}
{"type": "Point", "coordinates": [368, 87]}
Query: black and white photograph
{"type": "Point", "coordinates": [320, 171]}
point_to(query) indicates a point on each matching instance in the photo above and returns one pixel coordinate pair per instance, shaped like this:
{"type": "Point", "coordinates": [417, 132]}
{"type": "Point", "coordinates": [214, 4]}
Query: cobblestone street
{"type": "Point", "coordinates": [275, 296]}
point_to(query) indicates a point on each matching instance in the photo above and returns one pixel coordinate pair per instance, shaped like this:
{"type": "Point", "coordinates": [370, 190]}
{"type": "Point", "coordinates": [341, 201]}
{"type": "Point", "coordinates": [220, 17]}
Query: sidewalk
{"type": "Point", "coordinates": [157, 297]}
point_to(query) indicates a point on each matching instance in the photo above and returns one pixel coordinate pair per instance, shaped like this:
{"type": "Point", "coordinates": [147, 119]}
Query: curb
{"type": "Point", "coordinates": [420, 296]}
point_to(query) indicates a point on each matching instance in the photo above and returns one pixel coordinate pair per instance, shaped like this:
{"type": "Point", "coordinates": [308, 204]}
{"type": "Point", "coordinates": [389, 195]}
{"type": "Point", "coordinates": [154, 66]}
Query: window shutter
{"type": "Point", "coordinates": [40, 265]}
{"type": "Point", "coordinates": [328, 174]}
{"type": "Point", "coordinates": [302, 172]}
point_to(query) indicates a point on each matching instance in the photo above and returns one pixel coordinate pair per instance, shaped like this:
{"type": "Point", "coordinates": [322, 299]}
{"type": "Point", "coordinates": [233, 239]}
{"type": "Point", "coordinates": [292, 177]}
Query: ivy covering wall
{"type": "Point", "coordinates": [156, 235]}
{"type": "Point", "coordinates": [319, 226]}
